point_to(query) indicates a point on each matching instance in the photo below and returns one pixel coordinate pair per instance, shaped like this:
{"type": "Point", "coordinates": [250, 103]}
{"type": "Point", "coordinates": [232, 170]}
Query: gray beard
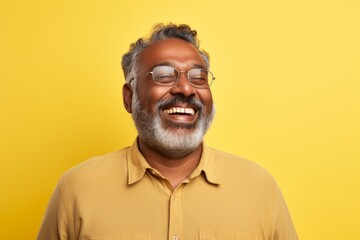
{"type": "Point", "coordinates": [173, 144]}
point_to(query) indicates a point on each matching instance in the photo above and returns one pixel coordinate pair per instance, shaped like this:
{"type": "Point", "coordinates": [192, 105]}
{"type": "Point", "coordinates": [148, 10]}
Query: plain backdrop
{"type": "Point", "coordinates": [286, 93]}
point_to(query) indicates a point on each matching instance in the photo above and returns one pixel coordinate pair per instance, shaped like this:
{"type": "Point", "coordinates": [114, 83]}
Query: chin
{"type": "Point", "coordinates": [174, 142]}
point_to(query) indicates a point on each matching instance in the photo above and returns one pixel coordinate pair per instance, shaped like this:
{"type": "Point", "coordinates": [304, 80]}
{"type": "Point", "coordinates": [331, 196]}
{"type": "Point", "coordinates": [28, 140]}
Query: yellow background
{"type": "Point", "coordinates": [287, 96]}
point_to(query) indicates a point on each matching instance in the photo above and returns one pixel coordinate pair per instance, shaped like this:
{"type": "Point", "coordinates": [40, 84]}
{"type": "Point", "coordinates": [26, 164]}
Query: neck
{"type": "Point", "coordinates": [174, 170]}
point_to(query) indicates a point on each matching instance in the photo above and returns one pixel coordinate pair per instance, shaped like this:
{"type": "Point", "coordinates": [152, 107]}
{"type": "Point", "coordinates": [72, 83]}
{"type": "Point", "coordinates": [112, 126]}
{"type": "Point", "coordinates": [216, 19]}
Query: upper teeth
{"type": "Point", "coordinates": [180, 110]}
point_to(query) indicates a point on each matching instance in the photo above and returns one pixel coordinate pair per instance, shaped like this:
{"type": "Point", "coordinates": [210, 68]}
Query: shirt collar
{"type": "Point", "coordinates": [137, 165]}
{"type": "Point", "coordinates": [208, 166]}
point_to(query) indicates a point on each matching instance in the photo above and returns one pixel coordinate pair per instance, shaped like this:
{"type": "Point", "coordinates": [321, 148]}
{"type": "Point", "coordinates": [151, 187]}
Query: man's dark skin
{"type": "Point", "coordinates": [182, 56]}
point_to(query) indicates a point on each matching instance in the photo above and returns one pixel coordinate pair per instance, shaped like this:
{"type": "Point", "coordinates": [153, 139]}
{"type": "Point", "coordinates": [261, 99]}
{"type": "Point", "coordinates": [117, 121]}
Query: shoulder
{"type": "Point", "coordinates": [98, 169]}
{"type": "Point", "coordinates": [230, 161]}
{"type": "Point", "coordinates": [236, 169]}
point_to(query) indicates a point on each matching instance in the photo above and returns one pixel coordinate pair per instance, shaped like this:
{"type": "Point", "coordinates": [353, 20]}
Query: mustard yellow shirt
{"type": "Point", "coordinates": [120, 197]}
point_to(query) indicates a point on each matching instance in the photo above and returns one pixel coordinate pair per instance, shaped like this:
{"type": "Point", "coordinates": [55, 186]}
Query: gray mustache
{"type": "Point", "coordinates": [195, 103]}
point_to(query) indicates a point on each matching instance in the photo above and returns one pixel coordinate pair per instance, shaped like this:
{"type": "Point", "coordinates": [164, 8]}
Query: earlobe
{"type": "Point", "coordinates": [127, 97]}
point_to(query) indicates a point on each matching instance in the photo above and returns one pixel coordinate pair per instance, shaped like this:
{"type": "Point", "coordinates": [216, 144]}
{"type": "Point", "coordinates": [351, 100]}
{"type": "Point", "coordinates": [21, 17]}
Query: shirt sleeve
{"type": "Point", "coordinates": [280, 223]}
{"type": "Point", "coordinates": [56, 223]}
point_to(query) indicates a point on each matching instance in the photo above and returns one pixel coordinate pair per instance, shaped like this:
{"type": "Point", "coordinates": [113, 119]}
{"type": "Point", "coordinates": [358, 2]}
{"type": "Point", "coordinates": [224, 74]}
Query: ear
{"type": "Point", "coordinates": [127, 97]}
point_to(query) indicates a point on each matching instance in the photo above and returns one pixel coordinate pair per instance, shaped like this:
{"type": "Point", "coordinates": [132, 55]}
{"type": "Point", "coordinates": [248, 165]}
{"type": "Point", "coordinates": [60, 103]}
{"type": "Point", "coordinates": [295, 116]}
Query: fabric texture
{"type": "Point", "coordinates": [118, 196]}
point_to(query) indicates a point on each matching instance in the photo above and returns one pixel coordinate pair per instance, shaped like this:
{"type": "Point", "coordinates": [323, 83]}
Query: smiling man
{"type": "Point", "coordinates": [168, 184]}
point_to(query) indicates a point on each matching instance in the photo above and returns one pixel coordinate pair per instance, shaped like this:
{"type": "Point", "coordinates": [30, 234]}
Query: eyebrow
{"type": "Point", "coordinates": [192, 66]}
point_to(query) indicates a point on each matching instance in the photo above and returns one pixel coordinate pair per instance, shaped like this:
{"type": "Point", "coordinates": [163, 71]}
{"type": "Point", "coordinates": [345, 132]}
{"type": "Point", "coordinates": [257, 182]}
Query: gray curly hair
{"type": "Point", "coordinates": [160, 31]}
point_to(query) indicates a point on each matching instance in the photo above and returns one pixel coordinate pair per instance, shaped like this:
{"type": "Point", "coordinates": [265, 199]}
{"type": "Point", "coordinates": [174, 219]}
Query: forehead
{"type": "Point", "coordinates": [171, 51]}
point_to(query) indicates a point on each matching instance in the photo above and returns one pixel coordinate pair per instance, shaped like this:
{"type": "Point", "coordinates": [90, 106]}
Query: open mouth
{"type": "Point", "coordinates": [177, 116]}
{"type": "Point", "coordinates": [180, 111]}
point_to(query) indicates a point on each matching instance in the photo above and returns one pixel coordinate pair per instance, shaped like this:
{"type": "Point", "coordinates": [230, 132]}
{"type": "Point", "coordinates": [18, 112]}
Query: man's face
{"type": "Point", "coordinates": [172, 119]}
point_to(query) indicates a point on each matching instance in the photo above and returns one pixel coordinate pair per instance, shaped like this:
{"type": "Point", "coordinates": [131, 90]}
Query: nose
{"type": "Point", "coordinates": [183, 86]}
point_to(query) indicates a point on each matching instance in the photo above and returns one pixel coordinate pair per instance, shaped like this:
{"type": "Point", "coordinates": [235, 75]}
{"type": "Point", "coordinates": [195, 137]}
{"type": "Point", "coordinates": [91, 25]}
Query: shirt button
{"type": "Point", "coordinates": [175, 237]}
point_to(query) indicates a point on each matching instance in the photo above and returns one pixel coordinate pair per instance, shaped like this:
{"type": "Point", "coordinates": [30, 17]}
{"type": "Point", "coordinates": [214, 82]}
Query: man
{"type": "Point", "coordinates": [168, 184]}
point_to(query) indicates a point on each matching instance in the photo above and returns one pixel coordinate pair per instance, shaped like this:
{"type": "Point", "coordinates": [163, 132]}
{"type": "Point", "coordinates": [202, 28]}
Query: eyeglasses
{"type": "Point", "coordinates": [168, 76]}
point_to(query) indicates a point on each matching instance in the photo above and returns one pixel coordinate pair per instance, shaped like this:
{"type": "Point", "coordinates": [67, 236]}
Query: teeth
{"type": "Point", "coordinates": [172, 110]}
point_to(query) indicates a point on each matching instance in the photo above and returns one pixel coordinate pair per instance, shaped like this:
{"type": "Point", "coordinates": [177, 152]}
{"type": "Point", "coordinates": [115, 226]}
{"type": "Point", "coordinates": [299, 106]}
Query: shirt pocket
{"type": "Point", "coordinates": [227, 235]}
{"type": "Point", "coordinates": [125, 236]}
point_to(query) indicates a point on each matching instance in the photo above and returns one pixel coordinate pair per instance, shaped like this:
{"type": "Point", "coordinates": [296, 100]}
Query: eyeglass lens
{"type": "Point", "coordinates": [168, 75]}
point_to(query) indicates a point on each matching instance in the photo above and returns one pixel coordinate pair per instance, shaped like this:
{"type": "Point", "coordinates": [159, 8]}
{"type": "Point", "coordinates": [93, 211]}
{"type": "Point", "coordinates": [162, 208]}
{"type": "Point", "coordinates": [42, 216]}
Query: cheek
{"type": "Point", "coordinates": [207, 100]}
{"type": "Point", "coordinates": [153, 95]}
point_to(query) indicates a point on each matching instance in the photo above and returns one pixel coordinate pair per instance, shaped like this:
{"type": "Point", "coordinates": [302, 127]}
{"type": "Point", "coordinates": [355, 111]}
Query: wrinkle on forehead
{"type": "Point", "coordinates": [172, 51]}
{"type": "Point", "coordinates": [174, 64]}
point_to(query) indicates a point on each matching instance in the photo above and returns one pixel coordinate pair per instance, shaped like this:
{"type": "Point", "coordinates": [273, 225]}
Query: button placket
{"type": "Point", "coordinates": [175, 215]}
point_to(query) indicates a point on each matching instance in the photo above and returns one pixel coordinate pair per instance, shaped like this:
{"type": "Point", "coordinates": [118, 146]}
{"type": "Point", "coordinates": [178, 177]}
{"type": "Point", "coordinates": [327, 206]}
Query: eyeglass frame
{"type": "Point", "coordinates": [187, 77]}
{"type": "Point", "coordinates": [178, 77]}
